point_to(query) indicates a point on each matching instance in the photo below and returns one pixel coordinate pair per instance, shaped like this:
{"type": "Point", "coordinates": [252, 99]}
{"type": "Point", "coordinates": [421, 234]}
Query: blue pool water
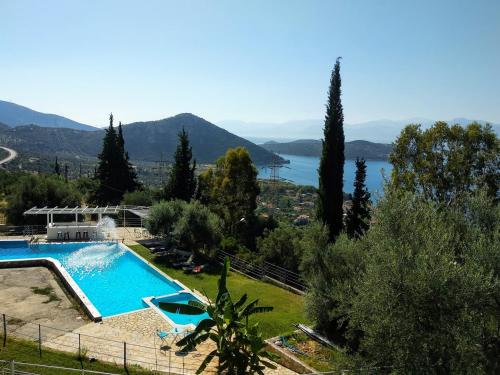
{"type": "Point", "coordinates": [112, 277]}
{"type": "Point", "coordinates": [183, 298]}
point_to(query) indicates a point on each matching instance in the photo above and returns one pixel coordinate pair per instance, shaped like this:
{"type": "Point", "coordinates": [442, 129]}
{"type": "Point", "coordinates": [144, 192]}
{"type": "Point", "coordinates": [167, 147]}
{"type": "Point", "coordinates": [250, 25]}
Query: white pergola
{"type": "Point", "coordinates": [51, 211]}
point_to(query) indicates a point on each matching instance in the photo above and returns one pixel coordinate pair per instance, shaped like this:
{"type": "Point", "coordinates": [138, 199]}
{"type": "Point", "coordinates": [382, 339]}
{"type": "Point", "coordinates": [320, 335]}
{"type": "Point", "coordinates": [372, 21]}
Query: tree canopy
{"type": "Point", "coordinates": [231, 190]}
{"type": "Point", "coordinates": [114, 172]}
{"type": "Point", "coordinates": [444, 161]}
{"type": "Point", "coordinates": [358, 215]}
{"type": "Point", "coordinates": [331, 167]}
{"type": "Point", "coordinates": [181, 183]}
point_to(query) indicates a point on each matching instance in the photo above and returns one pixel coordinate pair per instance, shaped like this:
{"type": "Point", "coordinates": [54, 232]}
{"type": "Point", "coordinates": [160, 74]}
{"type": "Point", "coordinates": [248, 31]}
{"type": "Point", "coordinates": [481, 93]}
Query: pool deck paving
{"type": "Point", "coordinates": [64, 328]}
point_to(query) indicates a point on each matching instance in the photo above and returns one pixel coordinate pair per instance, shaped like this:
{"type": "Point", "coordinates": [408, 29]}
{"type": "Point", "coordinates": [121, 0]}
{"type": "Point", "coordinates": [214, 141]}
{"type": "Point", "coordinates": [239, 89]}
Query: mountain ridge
{"type": "Point", "coordinates": [146, 140]}
{"type": "Point", "coordinates": [313, 147]}
{"type": "Point", "coordinates": [14, 115]}
{"type": "Point", "coordinates": [378, 131]}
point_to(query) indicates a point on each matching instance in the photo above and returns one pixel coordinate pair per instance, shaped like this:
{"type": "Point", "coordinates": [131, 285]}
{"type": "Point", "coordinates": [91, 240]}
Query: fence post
{"type": "Point", "coordinates": [40, 340]}
{"type": "Point", "coordinates": [79, 348]}
{"type": "Point", "coordinates": [12, 367]}
{"type": "Point", "coordinates": [169, 359]}
{"type": "Point", "coordinates": [124, 354]}
{"type": "Point", "coordinates": [4, 331]}
{"type": "Point", "coordinates": [183, 363]}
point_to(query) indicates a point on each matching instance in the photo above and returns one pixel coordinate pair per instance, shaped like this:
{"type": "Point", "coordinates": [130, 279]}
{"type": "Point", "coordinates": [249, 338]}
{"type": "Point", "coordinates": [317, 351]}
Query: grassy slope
{"type": "Point", "coordinates": [25, 351]}
{"type": "Point", "coordinates": [288, 307]}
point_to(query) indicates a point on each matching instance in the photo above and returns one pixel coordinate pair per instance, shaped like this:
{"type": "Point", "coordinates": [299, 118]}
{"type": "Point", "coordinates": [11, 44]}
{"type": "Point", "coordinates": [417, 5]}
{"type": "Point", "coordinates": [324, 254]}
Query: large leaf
{"type": "Point", "coordinates": [206, 361]}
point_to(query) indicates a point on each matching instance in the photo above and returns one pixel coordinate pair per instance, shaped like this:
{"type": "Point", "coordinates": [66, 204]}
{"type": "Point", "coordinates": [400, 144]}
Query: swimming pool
{"type": "Point", "coordinates": [113, 278]}
{"type": "Point", "coordinates": [176, 317]}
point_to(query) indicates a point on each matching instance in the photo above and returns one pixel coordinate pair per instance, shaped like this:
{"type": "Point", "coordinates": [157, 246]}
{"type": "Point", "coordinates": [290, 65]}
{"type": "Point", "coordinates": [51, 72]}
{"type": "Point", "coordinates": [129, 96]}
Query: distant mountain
{"type": "Point", "coordinates": [150, 140]}
{"type": "Point", "coordinates": [312, 147]}
{"type": "Point", "coordinates": [16, 115]}
{"type": "Point", "coordinates": [381, 131]}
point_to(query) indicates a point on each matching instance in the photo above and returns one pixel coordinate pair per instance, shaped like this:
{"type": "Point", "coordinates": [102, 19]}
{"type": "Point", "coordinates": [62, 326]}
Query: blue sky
{"type": "Point", "coordinates": [251, 60]}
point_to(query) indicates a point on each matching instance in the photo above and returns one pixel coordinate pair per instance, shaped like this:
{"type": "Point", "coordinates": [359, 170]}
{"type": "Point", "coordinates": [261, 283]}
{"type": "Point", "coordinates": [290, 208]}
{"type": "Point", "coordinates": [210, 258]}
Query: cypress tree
{"type": "Point", "coordinates": [109, 190]}
{"type": "Point", "coordinates": [57, 168]}
{"type": "Point", "coordinates": [181, 183]}
{"type": "Point", "coordinates": [127, 171]}
{"type": "Point", "coordinates": [331, 168]}
{"type": "Point", "coordinates": [115, 173]}
{"type": "Point", "coordinates": [358, 216]}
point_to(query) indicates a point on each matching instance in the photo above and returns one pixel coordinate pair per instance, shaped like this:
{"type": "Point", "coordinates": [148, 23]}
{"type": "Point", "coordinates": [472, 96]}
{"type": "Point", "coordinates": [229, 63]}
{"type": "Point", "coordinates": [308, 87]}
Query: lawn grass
{"type": "Point", "coordinates": [27, 351]}
{"type": "Point", "coordinates": [288, 306]}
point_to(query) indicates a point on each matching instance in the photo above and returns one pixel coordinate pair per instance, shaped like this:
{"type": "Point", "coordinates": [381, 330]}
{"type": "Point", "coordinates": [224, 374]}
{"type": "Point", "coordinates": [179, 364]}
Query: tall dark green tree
{"type": "Point", "coordinates": [358, 216]}
{"type": "Point", "coordinates": [181, 183]}
{"type": "Point", "coordinates": [128, 174]}
{"type": "Point", "coordinates": [114, 172]}
{"type": "Point", "coordinates": [331, 168]}
{"type": "Point", "coordinates": [57, 168]}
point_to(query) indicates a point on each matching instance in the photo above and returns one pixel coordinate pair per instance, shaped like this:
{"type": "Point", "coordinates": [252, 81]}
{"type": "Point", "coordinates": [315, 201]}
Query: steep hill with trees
{"type": "Point", "coordinates": [149, 140]}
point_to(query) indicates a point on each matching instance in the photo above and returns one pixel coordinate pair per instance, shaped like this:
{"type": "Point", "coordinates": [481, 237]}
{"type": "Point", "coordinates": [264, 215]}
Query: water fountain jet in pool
{"type": "Point", "coordinates": [106, 229]}
{"type": "Point", "coordinates": [93, 258]}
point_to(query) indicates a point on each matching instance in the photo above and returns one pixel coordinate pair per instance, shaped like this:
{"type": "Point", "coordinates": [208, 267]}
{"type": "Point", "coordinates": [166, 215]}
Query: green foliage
{"type": "Point", "coordinates": [443, 162]}
{"type": "Point", "coordinates": [57, 168]}
{"type": "Point", "coordinates": [331, 167]}
{"type": "Point", "coordinates": [191, 225]}
{"type": "Point", "coordinates": [163, 216]}
{"type": "Point", "coordinates": [138, 198]}
{"type": "Point", "coordinates": [231, 190]}
{"type": "Point", "coordinates": [182, 182]}
{"type": "Point", "coordinates": [428, 300]}
{"type": "Point", "coordinates": [39, 191]}
{"type": "Point", "coordinates": [114, 172]}
{"type": "Point", "coordinates": [86, 186]}
{"type": "Point", "coordinates": [330, 272]}
{"type": "Point", "coordinates": [240, 348]}
{"type": "Point", "coordinates": [358, 216]}
{"type": "Point", "coordinates": [198, 228]}
{"type": "Point", "coordinates": [282, 246]}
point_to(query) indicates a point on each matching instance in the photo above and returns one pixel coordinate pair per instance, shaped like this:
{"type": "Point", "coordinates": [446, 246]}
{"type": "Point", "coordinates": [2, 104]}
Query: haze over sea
{"type": "Point", "coordinates": [303, 170]}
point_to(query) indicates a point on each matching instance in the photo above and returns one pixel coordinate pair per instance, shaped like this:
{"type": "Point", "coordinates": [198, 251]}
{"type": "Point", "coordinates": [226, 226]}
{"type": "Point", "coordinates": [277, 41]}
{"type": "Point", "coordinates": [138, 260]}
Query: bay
{"type": "Point", "coordinates": [303, 170]}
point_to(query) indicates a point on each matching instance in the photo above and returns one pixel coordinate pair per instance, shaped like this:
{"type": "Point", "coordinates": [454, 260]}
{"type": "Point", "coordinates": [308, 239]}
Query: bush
{"type": "Point", "coordinates": [282, 247]}
{"type": "Point", "coordinates": [138, 198]}
{"type": "Point", "coordinates": [163, 216]}
{"type": "Point", "coordinates": [198, 228]}
{"type": "Point", "coordinates": [39, 191]}
{"type": "Point", "coordinates": [428, 301]}
{"type": "Point", "coordinates": [191, 225]}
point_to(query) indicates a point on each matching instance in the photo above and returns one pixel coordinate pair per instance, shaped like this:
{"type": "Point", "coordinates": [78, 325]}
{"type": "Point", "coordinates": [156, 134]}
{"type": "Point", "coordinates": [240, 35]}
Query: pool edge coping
{"type": "Point", "coordinates": [64, 276]}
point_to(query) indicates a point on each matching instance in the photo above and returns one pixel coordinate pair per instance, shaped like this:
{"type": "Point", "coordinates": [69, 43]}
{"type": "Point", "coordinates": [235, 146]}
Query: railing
{"type": "Point", "coordinates": [156, 357]}
{"type": "Point", "coordinates": [265, 270]}
{"type": "Point", "coordinates": [19, 368]}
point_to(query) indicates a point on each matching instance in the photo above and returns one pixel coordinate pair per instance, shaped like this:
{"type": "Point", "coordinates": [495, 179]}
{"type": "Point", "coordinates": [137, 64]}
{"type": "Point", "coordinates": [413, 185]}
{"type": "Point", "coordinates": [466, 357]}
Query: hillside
{"type": "Point", "coordinates": [149, 141]}
{"type": "Point", "coordinates": [312, 147]}
{"type": "Point", "coordinates": [16, 115]}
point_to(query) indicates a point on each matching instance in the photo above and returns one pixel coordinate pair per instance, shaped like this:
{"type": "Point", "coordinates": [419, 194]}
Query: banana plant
{"type": "Point", "coordinates": [240, 348]}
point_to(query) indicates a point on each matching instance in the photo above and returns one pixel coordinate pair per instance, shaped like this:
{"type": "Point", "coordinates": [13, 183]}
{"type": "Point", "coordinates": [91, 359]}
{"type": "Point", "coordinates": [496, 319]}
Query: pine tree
{"type": "Point", "coordinates": [331, 168]}
{"type": "Point", "coordinates": [66, 172]}
{"type": "Point", "coordinates": [57, 168]}
{"type": "Point", "coordinates": [114, 172]}
{"type": "Point", "coordinates": [358, 216]}
{"type": "Point", "coordinates": [109, 190]}
{"type": "Point", "coordinates": [127, 171]}
{"type": "Point", "coordinates": [181, 183]}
